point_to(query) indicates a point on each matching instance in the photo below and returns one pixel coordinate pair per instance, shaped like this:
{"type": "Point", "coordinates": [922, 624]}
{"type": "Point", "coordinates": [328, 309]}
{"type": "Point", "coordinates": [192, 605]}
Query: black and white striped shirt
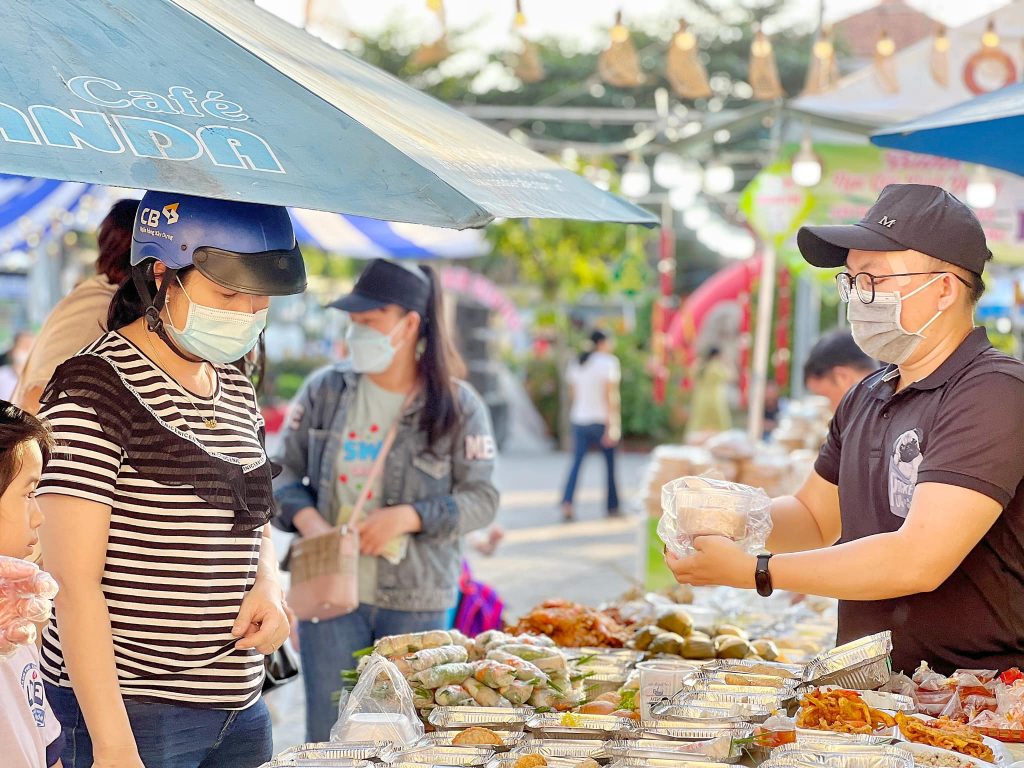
{"type": "Point", "coordinates": [176, 571]}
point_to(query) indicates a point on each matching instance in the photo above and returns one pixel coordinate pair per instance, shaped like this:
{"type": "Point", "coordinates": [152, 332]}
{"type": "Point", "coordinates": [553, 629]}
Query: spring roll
{"type": "Point", "coordinates": [532, 653]}
{"type": "Point", "coordinates": [547, 698]}
{"type": "Point", "coordinates": [435, 657]}
{"type": "Point", "coordinates": [494, 674]}
{"type": "Point", "coordinates": [525, 671]}
{"type": "Point", "coordinates": [439, 677]}
{"type": "Point", "coordinates": [484, 696]}
{"type": "Point", "coordinates": [453, 696]}
{"type": "Point", "coordinates": [422, 698]}
{"type": "Point", "coordinates": [401, 645]}
{"type": "Point", "coordinates": [518, 693]}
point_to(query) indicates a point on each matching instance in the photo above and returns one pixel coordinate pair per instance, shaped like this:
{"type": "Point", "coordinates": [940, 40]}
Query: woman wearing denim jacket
{"type": "Point", "coordinates": [436, 483]}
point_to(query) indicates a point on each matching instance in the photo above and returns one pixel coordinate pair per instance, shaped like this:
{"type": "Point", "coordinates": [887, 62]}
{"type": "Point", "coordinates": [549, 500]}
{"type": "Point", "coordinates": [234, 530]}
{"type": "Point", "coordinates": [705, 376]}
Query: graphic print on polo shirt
{"type": "Point", "coordinates": [32, 686]}
{"type": "Point", "coordinates": [904, 461]}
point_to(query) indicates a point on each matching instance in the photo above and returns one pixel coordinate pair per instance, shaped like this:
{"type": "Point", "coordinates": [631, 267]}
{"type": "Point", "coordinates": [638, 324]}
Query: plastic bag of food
{"type": "Point", "coordinates": [902, 685]}
{"type": "Point", "coordinates": [701, 506]}
{"type": "Point", "coordinates": [380, 708]}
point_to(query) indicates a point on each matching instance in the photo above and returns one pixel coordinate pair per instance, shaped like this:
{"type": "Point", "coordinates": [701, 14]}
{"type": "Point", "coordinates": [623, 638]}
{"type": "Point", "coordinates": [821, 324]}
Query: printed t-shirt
{"type": "Point", "coordinates": [367, 423]}
{"type": "Point", "coordinates": [27, 726]}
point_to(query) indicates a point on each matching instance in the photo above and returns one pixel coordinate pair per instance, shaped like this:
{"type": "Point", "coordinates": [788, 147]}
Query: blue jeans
{"type": "Point", "coordinates": [585, 437]}
{"type": "Point", "coordinates": [172, 736]}
{"type": "Point", "coordinates": [327, 649]}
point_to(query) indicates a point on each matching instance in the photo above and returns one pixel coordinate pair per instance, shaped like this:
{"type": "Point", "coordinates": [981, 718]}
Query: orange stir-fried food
{"type": "Point", "coordinates": [945, 734]}
{"type": "Point", "coordinates": [842, 711]}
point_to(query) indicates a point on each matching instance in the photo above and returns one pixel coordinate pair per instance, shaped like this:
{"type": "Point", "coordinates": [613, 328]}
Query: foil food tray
{"type": "Point", "coordinates": [511, 739]}
{"type": "Point", "coordinates": [675, 750]}
{"type": "Point", "coordinates": [698, 709]}
{"type": "Point", "coordinates": [682, 730]}
{"type": "Point", "coordinates": [562, 725]}
{"type": "Point", "coordinates": [568, 749]}
{"type": "Point", "coordinates": [459, 718]}
{"type": "Point", "coordinates": [892, 702]}
{"type": "Point", "coordinates": [812, 737]}
{"type": "Point", "coordinates": [330, 751]}
{"type": "Point", "coordinates": [842, 756]}
{"type": "Point", "coordinates": [785, 671]}
{"type": "Point", "coordinates": [862, 664]}
{"type": "Point", "coordinates": [467, 757]}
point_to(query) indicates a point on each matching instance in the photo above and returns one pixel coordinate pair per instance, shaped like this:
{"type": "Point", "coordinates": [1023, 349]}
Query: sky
{"type": "Point", "coordinates": [578, 21]}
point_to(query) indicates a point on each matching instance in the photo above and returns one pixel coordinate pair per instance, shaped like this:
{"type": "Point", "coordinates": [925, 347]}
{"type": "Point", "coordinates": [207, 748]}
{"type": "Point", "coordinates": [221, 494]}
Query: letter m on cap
{"type": "Point", "coordinates": [886, 222]}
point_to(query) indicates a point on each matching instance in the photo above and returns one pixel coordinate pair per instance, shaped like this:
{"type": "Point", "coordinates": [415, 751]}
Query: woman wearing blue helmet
{"type": "Point", "coordinates": [159, 497]}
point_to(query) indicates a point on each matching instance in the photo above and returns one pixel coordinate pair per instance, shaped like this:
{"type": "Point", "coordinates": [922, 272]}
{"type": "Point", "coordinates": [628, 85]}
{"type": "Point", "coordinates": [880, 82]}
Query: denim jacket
{"type": "Point", "coordinates": [451, 487]}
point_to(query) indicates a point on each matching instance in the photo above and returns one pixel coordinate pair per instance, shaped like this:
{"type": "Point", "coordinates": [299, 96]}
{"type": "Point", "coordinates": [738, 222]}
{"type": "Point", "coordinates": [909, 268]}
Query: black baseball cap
{"type": "Point", "coordinates": [906, 217]}
{"type": "Point", "coordinates": [383, 283]}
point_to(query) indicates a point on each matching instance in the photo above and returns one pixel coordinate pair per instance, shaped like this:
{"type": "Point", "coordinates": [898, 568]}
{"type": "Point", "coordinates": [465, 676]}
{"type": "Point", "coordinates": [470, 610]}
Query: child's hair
{"type": "Point", "coordinates": [18, 427]}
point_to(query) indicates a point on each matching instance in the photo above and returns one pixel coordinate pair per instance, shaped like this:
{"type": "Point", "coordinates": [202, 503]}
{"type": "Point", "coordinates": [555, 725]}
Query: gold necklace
{"type": "Point", "coordinates": [210, 422]}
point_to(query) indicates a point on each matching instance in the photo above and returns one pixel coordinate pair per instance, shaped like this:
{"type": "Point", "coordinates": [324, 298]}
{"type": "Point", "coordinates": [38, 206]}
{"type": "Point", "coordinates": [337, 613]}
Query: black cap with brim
{"type": "Point", "coordinates": [828, 246]}
{"type": "Point", "coordinates": [384, 283]}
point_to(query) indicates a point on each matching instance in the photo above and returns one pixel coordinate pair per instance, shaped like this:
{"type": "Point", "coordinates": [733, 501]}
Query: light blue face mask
{"type": "Point", "coordinates": [217, 335]}
{"type": "Point", "coordinates": [371, 351]}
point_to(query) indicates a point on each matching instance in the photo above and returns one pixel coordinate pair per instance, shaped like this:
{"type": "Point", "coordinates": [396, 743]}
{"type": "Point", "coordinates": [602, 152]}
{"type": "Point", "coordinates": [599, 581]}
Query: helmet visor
{"type": "Point", "coordinates": [270, 273]}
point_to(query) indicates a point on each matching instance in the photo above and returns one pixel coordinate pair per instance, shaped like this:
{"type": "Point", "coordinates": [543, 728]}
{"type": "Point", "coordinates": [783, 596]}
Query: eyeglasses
{"type": "Point", "coordinates": [864, 283]}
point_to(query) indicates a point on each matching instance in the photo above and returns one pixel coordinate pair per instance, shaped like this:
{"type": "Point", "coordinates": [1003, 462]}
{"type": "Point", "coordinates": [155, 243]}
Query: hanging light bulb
{"type": "Point", "coordinates": [669, 168]}
{"type": "Point", "coordinates": [619, 64]}
{"type": "Point", "coordinates": [823, 71]}
{"type": "Point", "coordinates": [806, 169]}
{"type": "Point", "coordinates": [991, 38]}
{"type": "Point", "coordinates": [939, 64]}
{"type": "Point", "coordinates": [696, 216]}
{"type": "Point", "coordinates": [719, 178]}
{"type": "Point", "coordinates": [981, 190]}
{"type": "Point", "coordinates": [636, 178]}
{"type": "Point", "coordinates": [764, 73]}
{"type": "Point", "coordinates": [685, 71]}
{"type": "Point", "coordinates": [885, 68]}
{"type": "Point", "coordinates": [681, 198]}
{"type": "Point", "coordinates": [520, 18]}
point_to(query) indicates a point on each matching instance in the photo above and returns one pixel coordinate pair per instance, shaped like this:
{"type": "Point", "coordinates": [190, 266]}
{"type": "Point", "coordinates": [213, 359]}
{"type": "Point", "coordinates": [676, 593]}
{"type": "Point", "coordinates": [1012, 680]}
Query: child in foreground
{"type": "Point", "coordinates": [30, 736]}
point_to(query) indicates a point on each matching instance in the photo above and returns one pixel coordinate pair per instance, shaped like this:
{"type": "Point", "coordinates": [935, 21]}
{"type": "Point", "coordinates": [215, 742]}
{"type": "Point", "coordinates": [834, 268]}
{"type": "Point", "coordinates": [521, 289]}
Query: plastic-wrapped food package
{"type": "Point", "coordinates": [700, 506]}
{"type": "Point", "coordinates": [26, 597]}
{"type": "Point", "coordinates": [379, 709]}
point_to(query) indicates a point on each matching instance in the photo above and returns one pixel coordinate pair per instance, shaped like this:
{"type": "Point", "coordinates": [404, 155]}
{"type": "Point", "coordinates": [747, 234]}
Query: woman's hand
{"type": "Point", "coordinates": [382, 526]}
{"type": "Point", "coordinates": [718, 561]}
{"type": "Point", "coordinates": [309, 522]}
{"type": "Point", "coordinates": [262, 622]}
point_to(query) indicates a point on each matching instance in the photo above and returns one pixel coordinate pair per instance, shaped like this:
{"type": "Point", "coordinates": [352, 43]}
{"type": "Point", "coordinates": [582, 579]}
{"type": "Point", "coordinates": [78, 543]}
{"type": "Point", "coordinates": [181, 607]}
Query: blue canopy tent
{"type": "Point", "coordinates": [36, 211]}
{"type": "Point", "coordinates": [985, 130]}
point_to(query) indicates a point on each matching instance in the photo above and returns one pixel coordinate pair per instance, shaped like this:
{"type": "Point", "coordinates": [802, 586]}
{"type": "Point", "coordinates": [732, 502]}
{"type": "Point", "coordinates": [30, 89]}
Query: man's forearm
{"type": "Point", "coordinates": [89, 654]}
{"type": "Point", "coordinates": [876, 567]}
{"type": "Point", "coordinates": [794, 528]}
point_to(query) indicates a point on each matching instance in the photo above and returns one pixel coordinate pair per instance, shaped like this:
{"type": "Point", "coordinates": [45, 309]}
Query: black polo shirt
{"type": "Point", "coordinates": [963, 425]}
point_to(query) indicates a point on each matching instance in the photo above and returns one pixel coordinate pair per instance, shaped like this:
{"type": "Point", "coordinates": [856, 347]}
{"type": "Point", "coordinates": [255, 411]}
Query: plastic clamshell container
{"type": "Point", "coordinates": [564, 725]}
{"type": "Point", "coordinates": [863, 664]}
{"type": "Point", "coordinates": [375, 727]}
{"type": "Point", "coordinates": [510, 739]}
{"type": "Point", "coordinates": [460, 718]}
{"type": "Point", "coordinates": [674, 750]}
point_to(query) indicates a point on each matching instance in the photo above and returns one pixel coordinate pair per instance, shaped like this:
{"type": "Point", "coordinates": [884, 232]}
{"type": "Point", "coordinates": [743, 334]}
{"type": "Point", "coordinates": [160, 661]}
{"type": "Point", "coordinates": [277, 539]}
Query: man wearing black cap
{"type": "Point", "coordinates": [919, 483]}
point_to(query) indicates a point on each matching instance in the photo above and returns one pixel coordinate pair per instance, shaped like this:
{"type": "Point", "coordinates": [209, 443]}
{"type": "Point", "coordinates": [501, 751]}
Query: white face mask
{"type": "Point", "coordinates": [217, 335]}
{"type": "Point", "coordinates": [877, 328]}
{"type": "Point", "coordinates": [371, 351]}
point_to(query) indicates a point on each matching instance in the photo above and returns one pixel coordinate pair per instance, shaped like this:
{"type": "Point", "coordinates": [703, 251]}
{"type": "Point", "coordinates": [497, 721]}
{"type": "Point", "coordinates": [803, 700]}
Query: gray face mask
{"type": "Point", "coordinates": [877, 328]}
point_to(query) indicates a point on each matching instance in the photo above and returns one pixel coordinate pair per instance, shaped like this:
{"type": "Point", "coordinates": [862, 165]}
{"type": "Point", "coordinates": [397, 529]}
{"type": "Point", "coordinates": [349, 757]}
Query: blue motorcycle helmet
{"type": "Point", "coordinates": [245, 247]}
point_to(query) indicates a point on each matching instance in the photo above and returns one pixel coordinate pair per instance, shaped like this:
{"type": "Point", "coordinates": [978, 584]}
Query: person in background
{"type": "Point", "coordinates": [30, 736]}
{"type": "Point", "coordinates": [435, 485]}
{"type": "Point", "coordinates": [158, 500]}
{"type": "Point", "coordinates": [12, 364]}
{"type": "Point", "coordinates": [595, 417]}
{"type": "Point", "coordinates": [709, 412]}
{"type": "Point", "coordinates": [80, 317]}
{"type": "Point", "coordinates": [834, 364]}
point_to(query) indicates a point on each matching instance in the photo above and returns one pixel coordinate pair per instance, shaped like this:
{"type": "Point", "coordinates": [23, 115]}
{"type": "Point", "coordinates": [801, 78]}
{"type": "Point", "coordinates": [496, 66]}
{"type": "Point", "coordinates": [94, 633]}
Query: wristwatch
{"type": "Point", "coordinates": [763, 577]}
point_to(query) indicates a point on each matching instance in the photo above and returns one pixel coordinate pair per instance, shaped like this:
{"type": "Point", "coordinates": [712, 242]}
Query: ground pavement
{"type": "Point", "coordinates": [591, 560]}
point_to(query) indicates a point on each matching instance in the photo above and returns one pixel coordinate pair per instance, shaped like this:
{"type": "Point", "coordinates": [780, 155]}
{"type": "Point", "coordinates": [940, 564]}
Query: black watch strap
{"type": "Point", "coordinates": [763, 577]}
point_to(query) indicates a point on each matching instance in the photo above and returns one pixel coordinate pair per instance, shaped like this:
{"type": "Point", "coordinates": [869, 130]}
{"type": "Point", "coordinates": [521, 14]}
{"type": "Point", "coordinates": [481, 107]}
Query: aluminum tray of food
{"type": "Point", "coordinates": [891, 702]}
{"type": "Point", "coordinates": [453, 756]}
{"type": "Point", "coordinates": [863, 664]}
{"type": "Point", "coordinates": [661, 762]}
{"type": "Point", "coordinates": [527, 759]}
{"type": "Point", "coordinates": [746, 680]}
{"type": "Point", "coordinates": [753, 667]}
{"type": "Point", "coordinates": [710, 689]}
{"type": "Point", "coordinates": [843, 756]}
{"type": "Point", "coordinates": [718, 750]}
{"type": "Point", "coordinates": [477, 736]}
{"type": "Point", "coordinates": [570, 724]}
{"type": "Point", "coordinates": [700, 710]}
{"type": "Point", "coordinates": [567, 749]}
{"type": "Point", "coordinates": [809, 737]}
{"type": "Point", "coordinates": [377, 750]}
{"type": "Point", "coordinates": [295, 761]}
{"type": "Point", "coordinates": [506, 718]}
{"type": "Point", "coordinates": [681, 730]}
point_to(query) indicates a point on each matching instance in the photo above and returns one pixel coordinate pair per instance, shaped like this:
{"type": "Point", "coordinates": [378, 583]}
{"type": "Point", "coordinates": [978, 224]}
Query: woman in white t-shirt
{"type": "Point", "coordinates": [595, 417]}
